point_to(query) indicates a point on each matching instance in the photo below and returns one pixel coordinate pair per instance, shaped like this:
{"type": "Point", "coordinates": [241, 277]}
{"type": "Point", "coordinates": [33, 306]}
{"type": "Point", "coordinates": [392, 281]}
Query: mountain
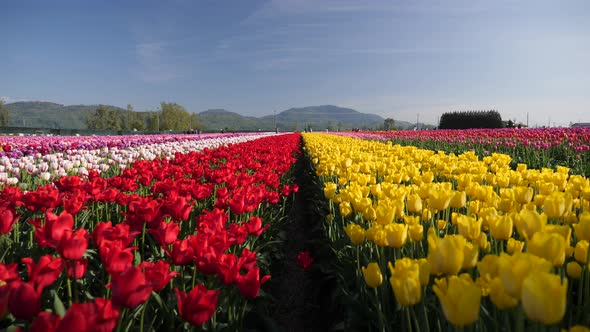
{"type": "Point", "coordinates": [39, 114]}
{"type": "Point", "coordinates": [326, 116]}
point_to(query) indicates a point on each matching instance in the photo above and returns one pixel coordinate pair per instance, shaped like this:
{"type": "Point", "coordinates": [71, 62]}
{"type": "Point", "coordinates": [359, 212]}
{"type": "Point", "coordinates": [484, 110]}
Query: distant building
{"type": "Point", "coordinates": [581, 124]}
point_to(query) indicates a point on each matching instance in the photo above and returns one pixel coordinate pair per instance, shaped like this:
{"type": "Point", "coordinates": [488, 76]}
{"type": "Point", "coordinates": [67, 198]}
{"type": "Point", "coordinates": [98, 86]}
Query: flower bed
{"type": "Point", "coordinates": [463, 242]}
{"type": "Point", "coordinates": [167, 244]}
{"type": "Point", "coordinates": [37, 160]}
{"type": "Point", "coordinates": [538, 147]}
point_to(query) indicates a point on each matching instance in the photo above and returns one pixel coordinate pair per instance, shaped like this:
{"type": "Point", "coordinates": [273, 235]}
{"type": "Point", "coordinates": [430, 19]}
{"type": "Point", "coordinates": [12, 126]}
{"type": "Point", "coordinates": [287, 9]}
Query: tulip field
{"type": "Point", "coordinates": [477, 230]}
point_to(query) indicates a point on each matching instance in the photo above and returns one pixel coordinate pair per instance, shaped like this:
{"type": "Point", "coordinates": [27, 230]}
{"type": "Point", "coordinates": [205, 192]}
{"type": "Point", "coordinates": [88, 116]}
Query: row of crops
{"type": "Point", "coordinates": [419, 231]}
{"type": "Point", "coordinates": [428, 240]}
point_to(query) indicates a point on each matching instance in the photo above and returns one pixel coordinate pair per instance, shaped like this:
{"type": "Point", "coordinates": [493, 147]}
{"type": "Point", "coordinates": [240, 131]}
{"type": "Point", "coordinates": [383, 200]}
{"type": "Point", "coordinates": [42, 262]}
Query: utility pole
{"type": "Point", "coordinates": [527, 119]}
{"type": "Point", "coordinates": [275, 121]}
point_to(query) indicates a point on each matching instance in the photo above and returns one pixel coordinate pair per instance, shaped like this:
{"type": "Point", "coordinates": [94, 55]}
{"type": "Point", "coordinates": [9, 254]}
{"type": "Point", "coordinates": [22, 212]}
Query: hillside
{"type": "Point", "coordinates": [39, 114]}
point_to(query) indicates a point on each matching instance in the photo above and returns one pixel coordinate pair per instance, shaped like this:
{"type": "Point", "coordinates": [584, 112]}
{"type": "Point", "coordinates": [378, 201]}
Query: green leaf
{"type": "Point", "coordinates": [58, 305]}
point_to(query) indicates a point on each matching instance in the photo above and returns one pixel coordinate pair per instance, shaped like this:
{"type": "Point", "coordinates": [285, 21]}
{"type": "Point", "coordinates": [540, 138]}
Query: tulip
{"type": "Point", "coordinates": [501, 227]}
{"type": "Point", "coordinates": [469, 227]}
{"type": "Point", "coordinates": [548, 246]}
{"type": "Point", "coordinates": [460, 299]}
{"type": "Point", "coordinates": [574, 270]}
{"type": "Point", "coordinates": [513, 246]}
{"type": "Point", "coordinates": [557, 204]}
{"type": "Point", "coordinates": [416, 232]}
{"type": "Point", "coordinates": [397, 234]}
{"type": "Point", "coordinates": [414, 203]}
{"type": "Point", "coordinates": [544, 297]}
{"type": "Point", "coordinates": [372, 275]}
{"type": "Point", "coordinates": [514, 269]}
{"type": "Point", "coordinates": [405, 281]}
{"type": "Point", "coordinates": [197, 306]}
{"type": "Point", "coordinates": [304, 259]}
{"type": "Point", "coordinates": [130, 288]}
{"type": "Point", "coordinates": [523, 195]}
{"type": "Point", "coordinates": [581, 251]}
{"type": "Point", "coordinates": [445, 255]}
{"type": "Point", "coordinates": [470, 255]}
{"type": "Point", "coordinates": [24, 301]}
{"type": "Point", "coordinates": [385, 213]}
{"type": "Point", "coordinates": [582, 229]}
{"type": "Point", "coordinates": [345, 209]}
{"type": "Point", "coordinates": [356, 233]}
{"type": "Point", "coordinates": [529, 222]}
{"type": "Point", "coordinates": [499, 297]}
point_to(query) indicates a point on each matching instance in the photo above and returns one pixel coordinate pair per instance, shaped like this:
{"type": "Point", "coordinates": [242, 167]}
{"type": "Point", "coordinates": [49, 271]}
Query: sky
{"type": "Point", "coordinates": [406, 60]}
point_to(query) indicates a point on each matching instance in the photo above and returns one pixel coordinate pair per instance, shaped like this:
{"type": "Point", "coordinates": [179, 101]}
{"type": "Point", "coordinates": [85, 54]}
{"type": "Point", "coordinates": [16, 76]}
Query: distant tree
{"type": "Point", "coordinates": [471, 119]}
{"type": "Point", "coordinates": [510, 124]}
{"type": "Point", "coordinates": [136, 121]}
{"type": "Point", "coordinates": [388, 124]}
{"type": "Point", "coordinates": [128, 117]}
{"type": "Point", "coordinates": [330, 126]}
{"type": "Point", "coordinates": [196, 122]}
{"type": "Point", "coordinates": [4, 115]}
{"type": "Point", "coordinates": [340, 126]}
{"type": "Point", "coordinates": [174, 117]}
{"type": "Point", "coordinates": [153, 121]}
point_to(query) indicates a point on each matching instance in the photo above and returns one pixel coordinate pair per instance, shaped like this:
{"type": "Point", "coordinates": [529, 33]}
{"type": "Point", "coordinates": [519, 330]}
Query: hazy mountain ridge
{"type": "Point", "coordinates": [40, 114]}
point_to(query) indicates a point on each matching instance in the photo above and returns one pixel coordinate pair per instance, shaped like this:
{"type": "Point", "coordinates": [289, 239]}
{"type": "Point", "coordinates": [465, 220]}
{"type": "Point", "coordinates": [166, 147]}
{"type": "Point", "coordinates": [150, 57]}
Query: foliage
{"type": "Point", "coordinates": [105, 117]}
{"type": "Point", "coordinates": [388, 124]}
{"type": "Point", "coordinates": [4, 115]}
{"type": "Point", "coordinates": [174, 117]}
{"type": "Point", "coordinates": [471, 119]}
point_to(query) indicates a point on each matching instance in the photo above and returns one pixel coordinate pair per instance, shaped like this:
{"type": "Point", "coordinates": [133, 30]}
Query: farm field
{"type": "Point", "coordinates": [407, 230]}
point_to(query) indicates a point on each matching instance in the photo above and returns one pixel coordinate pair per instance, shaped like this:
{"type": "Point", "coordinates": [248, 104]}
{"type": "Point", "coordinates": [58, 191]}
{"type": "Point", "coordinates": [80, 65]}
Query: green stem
{"type": "Point", "coordinates": [121, 319]}
{"type": "Point", "coordinates": [143, 314]}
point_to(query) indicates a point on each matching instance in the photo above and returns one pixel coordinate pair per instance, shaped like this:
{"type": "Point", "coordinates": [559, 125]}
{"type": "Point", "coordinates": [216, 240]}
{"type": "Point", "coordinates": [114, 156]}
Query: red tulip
{"type": "Point", "coordinates": [45, 322]}
{"type": "Point", "coordinates": [73, 244]}
{"type": "Point", "coordinates": [7, 219]}
{"type": "Point", "coordinates": [227, 268]}
{"type": "Point", "coordinates": [249, 284]}
{"type": "Point", "coordinates": [130, 288]}
{"type": "Point", "coordinates": [115, 258]}
{"type": "Point", "coordinates": [166, 233]}
{"type": "Point", "coordinates": [158, 274]}
{"type": "Point", "coordinates": [99, 315]}
{"type": "Point", "coordinates": [304, 259]}
{"type": "Point", "coordinates": [77, 269]}
{"type": "Point", "coordinates": [24, 301]}
{"type": "Point", "coordinates": [198, 305]}
{"type": "Point", "coordinates": [44, 272]}
{"type": "Point", "coordinates": [255, 226]}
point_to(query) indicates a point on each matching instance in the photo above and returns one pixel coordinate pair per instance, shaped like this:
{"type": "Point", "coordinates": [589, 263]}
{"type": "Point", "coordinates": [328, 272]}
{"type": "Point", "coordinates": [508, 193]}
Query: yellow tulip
{"type": "Point", "coordinates": [424, 267]}
{"type": "Point", "coordinates": [488, 266]}
{"type": "Point", "coordinates": [514, 269]}
{"type": "Point", "coordinates": [416, 232]}
{"type": "Point", "coordinates": [385, 213]}
{"type": "Point", "coordinates": [414, 203]}
{"type": "Point", "coordinates": [544, 297]}
{"type": "Point", "coordinates": [470, 255]}
{"type": "Point", "coordinates": [499, 297]}
{"type": "Point", "coordinates": [548, 246]}
{"type": "Point", "coordinates": [558, 204]}
{"type": "Point", "coordinates": [396, 234]}
{"type": "Point", "coordinates": [523, 195]}
{"type": "Point", "coordinates": [458, 200]}
{"type": "Point", "coordinates": [469, 227]}
{"type": "Point", "coordinates": [460, 299]}
{"type": "Point", "coordinates": [372, 275]}
{"type": "Point", "coordinates": [577, 328]}
{"type": "Point", "coordinates": [529, 222]}
{"type": "Point", "coordinates": [574, 270]}
{"type": "Point", "coordinates": [439, 199]}
{"type": "Point", "coordinates": [501, 227]}
{"type": "Point", "coordinates": [445, 255]}
{"type": "Point", "coordinates": [330, 190]}
{"type": "Point", "coordinates": [483, 242]}
{"type": "Point", "coordinates": [581, 251]}
{"type": "Point", "coordinates": [345, 209]}
{"type": "Point", "coordinates": [582, 229]}
{"type": "Point", "coordinates": [356, 233]}
{"type": "Point", "coordinates": [514, 246]}
{"type": "Point", "coordinates": [405, 281]}
{"type": "Point", "coordinates": [441, 224]}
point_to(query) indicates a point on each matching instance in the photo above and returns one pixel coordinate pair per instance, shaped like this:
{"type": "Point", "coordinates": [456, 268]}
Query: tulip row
{"type": "Point", "coordinates": [33, 162]}
{"type": "Point", "coordinates": [178, 242]}
{"type": "Point", "coordinates": [538, 147]}
{"type": "Point", "coordinates": [500, 248]}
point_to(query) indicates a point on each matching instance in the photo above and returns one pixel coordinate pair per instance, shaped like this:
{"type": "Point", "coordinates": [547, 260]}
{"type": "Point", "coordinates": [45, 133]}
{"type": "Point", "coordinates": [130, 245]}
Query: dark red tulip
{"type": "Point", "coordinates": [158, 274]}
{"type": "Point", "coordinates": [44, 272]}
{"type": "Point", "coordinates": [24, 302]}
{"type": "Point", "coordinates": [45, 322]}
{"type": "Point", "coordinates": [77, 269]}
{"type": "Point", "coordinates": [73, 244]}
{"type": "Point", "coordinates": [304, 259]}
{"type": "Point", "coordinates": [198, 305]}
{"type": "Point", "coordinates": [130, 288]}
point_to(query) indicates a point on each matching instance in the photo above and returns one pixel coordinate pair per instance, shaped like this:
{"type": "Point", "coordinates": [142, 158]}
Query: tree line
{"type": "Point", "coordinates": [471, 119]}
{"type": "Point", "coordinates": [170, 116]}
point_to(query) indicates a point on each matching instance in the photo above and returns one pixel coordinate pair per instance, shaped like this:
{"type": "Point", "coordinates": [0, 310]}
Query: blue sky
{"type": "Point", "coordinates": [393, 58]}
